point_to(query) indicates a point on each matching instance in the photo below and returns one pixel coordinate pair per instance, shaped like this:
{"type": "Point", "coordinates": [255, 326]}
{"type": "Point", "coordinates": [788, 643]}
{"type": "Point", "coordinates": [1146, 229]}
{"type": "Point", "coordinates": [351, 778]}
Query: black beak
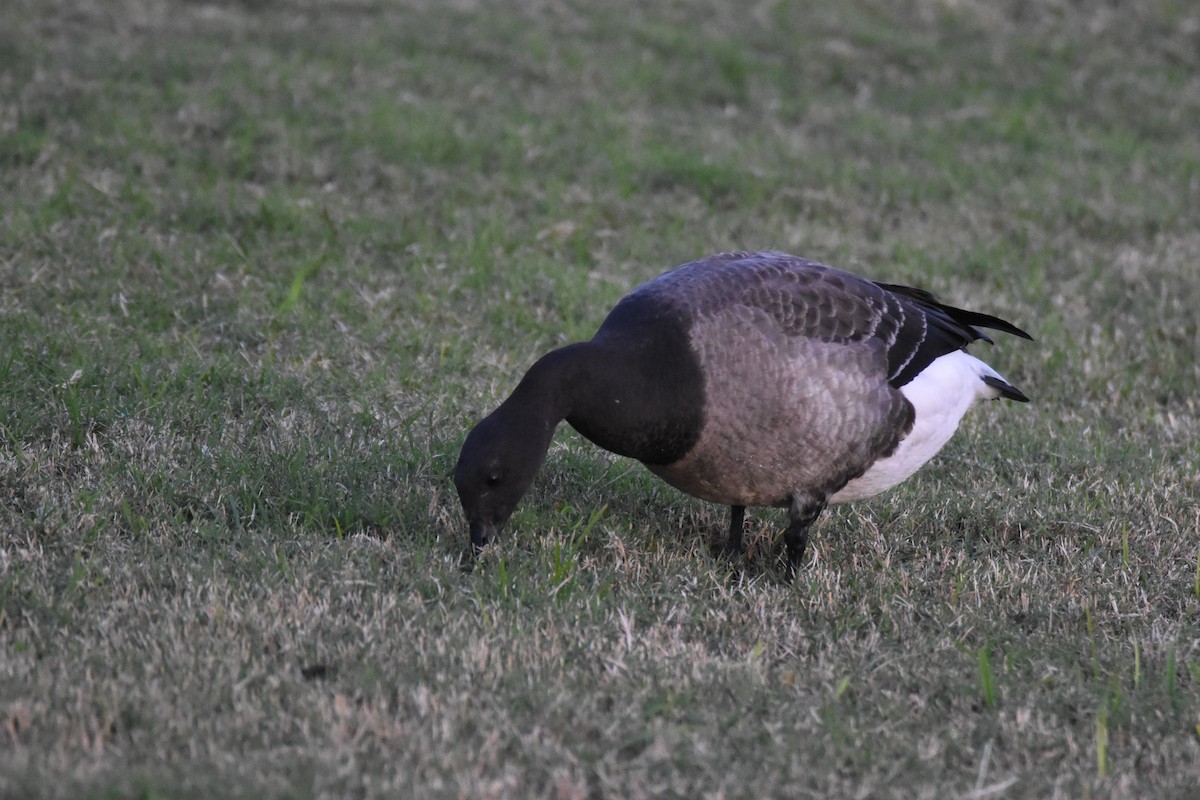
{"type": "Point", "coordinates": [482, 534]}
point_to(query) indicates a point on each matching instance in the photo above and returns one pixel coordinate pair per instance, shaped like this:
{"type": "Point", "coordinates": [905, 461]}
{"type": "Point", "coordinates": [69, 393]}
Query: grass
{"type": "Point", "coordinates": [262, 264]}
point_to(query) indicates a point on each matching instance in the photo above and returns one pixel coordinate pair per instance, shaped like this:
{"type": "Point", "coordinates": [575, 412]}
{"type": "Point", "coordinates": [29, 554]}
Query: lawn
{"type": "Point", "coordinates": [264, 263]}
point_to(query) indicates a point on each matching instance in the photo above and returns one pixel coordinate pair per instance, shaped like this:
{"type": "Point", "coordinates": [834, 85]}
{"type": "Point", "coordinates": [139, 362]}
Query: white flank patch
{"type": "Point", "coordinates": [940, 395]}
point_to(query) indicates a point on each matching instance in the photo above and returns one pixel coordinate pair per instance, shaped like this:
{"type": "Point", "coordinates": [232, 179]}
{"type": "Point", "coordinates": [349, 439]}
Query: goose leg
{"type": "Point", "coordinates": [733, 543]}
{"type": "Point", "coordinates": [803, 512]}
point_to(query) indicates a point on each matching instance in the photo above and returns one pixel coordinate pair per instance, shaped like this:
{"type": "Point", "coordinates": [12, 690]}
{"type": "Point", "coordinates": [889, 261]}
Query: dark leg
{"type": "Point", "coordinates": [804, 511]}
{"type": "Point", "coordinates": [733, 543]}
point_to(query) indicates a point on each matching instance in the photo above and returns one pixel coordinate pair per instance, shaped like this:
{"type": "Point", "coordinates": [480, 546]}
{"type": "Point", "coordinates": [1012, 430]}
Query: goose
{"type": "Point", "coordinates": [746, 379]}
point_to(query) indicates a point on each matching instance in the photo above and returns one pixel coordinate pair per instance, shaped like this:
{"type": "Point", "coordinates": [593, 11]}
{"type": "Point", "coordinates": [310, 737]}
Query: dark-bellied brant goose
{"type": "Point", "coordinates": [747, 379]}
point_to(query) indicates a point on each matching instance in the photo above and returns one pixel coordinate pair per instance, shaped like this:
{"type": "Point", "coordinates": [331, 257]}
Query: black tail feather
{"type": "Point", "coordinates": [1006, 389]}
{"type": "Point", "coordinates": [970, 319]}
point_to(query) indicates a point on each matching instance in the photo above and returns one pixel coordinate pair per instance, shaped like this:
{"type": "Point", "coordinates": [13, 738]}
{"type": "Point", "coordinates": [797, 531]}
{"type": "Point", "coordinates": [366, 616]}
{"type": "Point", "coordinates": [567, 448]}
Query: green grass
{"type": "Point", "coordinates": [262, 264]}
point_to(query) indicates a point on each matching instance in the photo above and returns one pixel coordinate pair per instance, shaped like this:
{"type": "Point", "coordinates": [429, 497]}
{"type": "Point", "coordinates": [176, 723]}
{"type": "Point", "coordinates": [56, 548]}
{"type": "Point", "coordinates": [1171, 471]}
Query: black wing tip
{"type": "Point", "coordinates": [973, 320]}
{"type": "Point", "coordinates": [980, 335]}
{"type": "Point", "coordinates": [992, 323]}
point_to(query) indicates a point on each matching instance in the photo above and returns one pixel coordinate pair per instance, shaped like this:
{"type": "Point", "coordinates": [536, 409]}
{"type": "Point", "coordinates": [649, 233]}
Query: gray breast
{"type": "Point", "coordinates": [785, 412]}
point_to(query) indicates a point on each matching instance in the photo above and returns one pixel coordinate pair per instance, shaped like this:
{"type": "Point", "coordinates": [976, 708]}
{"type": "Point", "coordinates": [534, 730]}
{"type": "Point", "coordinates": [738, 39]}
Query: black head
{"type": "Point", "coordinates": [497, 465]}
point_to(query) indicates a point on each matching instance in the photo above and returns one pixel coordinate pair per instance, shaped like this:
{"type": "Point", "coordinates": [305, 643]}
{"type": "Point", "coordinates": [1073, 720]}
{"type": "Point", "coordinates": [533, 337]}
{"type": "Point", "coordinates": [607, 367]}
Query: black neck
{"type": "Point", "coordinates": [627, 397]}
